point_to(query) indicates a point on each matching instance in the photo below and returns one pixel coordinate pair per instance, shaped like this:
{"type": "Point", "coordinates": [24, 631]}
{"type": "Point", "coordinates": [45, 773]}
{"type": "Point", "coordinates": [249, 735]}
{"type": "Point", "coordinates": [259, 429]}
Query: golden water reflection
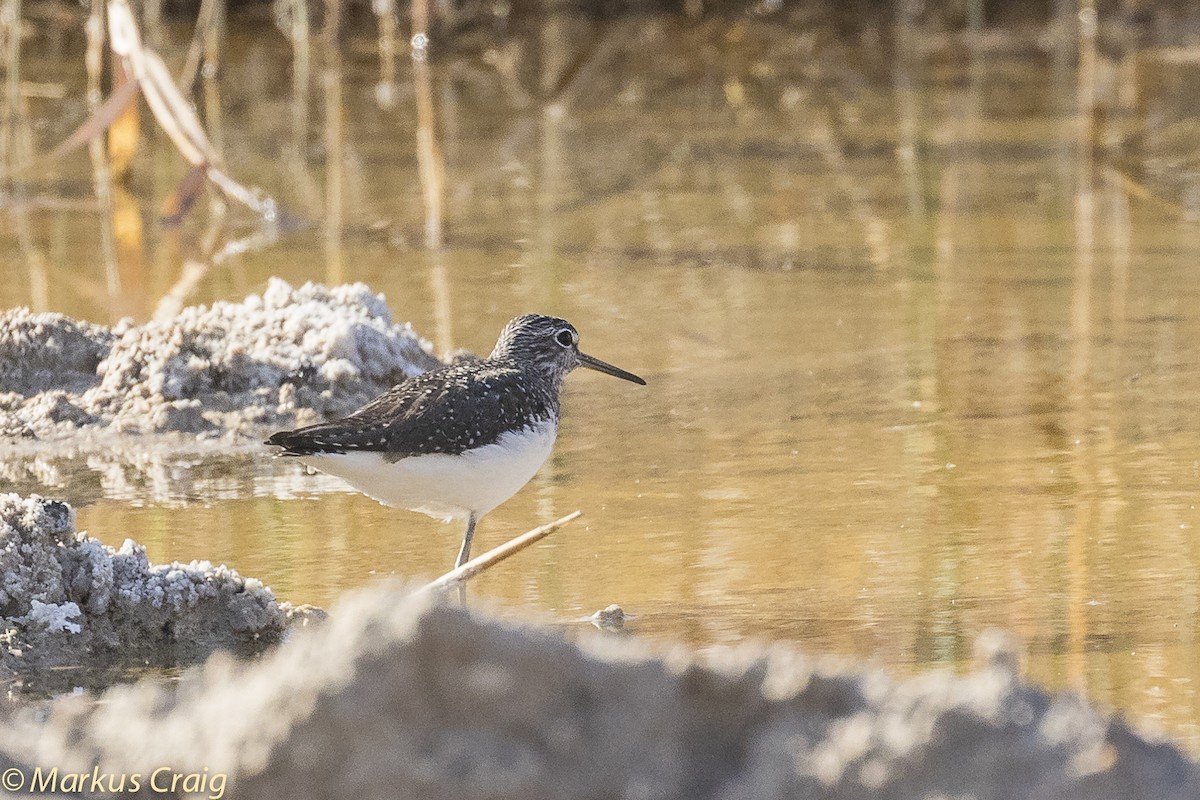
{"type": "Point", "coordinates": [919, 364]}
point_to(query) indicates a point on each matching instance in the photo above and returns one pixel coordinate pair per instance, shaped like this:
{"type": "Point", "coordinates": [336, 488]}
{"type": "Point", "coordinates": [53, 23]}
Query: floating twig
{"type": "Point", "coordinates": [496, 555]}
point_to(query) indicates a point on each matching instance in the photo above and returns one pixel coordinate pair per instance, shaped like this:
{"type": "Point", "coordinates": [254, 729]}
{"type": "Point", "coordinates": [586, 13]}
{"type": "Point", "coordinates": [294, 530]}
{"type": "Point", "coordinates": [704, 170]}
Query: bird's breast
{"type": "Point", "coordinates": [447, 486]}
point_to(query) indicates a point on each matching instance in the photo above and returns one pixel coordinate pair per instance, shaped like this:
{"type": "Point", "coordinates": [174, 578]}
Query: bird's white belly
{"type": "Point", "coordinates": [445, 486]}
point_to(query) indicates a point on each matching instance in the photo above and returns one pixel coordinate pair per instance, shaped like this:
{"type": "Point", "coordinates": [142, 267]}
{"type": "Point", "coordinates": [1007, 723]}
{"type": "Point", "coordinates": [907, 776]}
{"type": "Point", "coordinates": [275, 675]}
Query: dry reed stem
{"type": "Point", "coordinates": [15, 145]}
{"type": "Point", "coordinates": [205, 20]}
{"type": "Point", "coordinates": [171, 110]}
{"type": "Point", "coordinates": [98, 152]}
{"type": "Point", "coordinates": [429, 156]}
{"type": "Point", "coordinates": [335, 164]}
{"type": "Point", "coordinates": [496, 555]}
{"type": "Point", "coordinates": [385, 12]}
{"type": "Point", "coordinates": [420, 23]}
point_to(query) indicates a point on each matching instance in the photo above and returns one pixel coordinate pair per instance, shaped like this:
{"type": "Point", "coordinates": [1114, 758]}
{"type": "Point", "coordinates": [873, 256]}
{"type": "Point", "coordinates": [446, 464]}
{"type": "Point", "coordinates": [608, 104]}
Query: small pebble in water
{"type": "Point", "coordinates": [612, 618]}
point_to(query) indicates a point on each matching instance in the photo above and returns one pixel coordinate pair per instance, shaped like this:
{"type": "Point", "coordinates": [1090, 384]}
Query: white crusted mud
{"type": "Point", "coordinates": [70, 604]}
{"type": "Point", "coordinates": [288, 357]}
{"type": "Point", "coordinates": [393, 697]}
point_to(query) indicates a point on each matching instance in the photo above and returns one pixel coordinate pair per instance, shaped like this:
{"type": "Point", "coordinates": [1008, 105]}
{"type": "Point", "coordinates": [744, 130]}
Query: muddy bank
{"type": "Point", "coordinates": [288, 357]}
{"type": "Point", "coordinates": [68, 600]}
{"type": "Point", "coordinates": [392, 697]}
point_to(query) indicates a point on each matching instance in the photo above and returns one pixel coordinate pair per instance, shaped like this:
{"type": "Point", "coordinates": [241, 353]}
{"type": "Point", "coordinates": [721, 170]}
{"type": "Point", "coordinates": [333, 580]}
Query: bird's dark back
{"type": "Point", "coordinates": [448, 410]}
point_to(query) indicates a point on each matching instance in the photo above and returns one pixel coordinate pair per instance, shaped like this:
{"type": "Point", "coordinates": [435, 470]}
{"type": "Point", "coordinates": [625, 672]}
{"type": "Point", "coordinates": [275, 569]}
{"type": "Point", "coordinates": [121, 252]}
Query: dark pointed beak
{"type": "Point", "coordinates": [603, 366]}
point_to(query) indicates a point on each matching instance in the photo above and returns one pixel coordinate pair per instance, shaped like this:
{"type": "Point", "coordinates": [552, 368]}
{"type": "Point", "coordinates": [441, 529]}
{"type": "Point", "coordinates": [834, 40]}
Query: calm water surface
{"type": "Point", "coordinates": [921, 341]}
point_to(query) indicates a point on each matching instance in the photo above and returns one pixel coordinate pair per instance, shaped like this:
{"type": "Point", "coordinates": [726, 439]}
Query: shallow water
{"type": "Point", "coordinates": [920, 340]}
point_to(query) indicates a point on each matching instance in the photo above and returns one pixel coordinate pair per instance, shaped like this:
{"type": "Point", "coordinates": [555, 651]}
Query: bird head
{"type": "Point", "coordinates": [550, 345]}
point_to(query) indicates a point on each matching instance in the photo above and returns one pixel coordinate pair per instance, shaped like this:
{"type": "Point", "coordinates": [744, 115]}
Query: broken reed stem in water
{"type": "Point", "coordinates": [496, 555]}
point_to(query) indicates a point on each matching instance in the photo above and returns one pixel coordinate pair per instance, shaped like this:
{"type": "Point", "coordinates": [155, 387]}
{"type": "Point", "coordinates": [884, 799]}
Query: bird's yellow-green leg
{"type": "Point", "coordinates": [464, 555]}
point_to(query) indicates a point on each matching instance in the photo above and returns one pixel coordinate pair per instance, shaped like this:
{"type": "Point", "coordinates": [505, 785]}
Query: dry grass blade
{"type": "Point", "coordinates": [496, 555]}
{"type": "Point", "coordinates": [191, 66]}
{"type": "Point", "coordinates": [171, 109]}
{"type": "Point", "coordinates": [99, 121]}
{"type": "Point", "coordinates": [173, 112]}
{"type": "Point", "coordinates": [264, 206]}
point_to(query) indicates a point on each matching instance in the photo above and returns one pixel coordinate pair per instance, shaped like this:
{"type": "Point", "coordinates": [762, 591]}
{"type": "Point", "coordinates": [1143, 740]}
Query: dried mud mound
{"type": "Point", "coordinates": [68, 600]}
{"type": "Point", "coordinates": [395, 698]}
{"type": "Point", "coordinates": [288, 357]}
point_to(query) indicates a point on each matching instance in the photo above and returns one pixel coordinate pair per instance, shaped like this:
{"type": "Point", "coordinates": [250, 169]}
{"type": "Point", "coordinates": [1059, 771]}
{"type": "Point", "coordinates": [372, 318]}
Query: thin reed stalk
{"type": "Point", "coordinates": [335, 154]}
{"type": "Point", "coordinates": [494, 556]}
{"type": "Point", "coordinates": [385, 13]}
{"type": "Point", "coordinates": [98, 152]}
{"type": "Point", "coordinates": [15, 146]}
{"type": "Point", "coordinates": [206, 20]}
{"type": "Point", "coordinates": [430, 168]}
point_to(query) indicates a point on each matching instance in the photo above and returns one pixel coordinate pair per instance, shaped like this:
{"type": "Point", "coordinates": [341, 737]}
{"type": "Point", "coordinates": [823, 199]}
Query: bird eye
{"type": "Point", "coordinates": [565, 337]}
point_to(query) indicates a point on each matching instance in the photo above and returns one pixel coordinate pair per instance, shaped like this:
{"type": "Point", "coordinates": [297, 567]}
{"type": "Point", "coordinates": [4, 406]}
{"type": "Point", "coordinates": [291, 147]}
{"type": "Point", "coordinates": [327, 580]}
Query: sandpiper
{"type": "Point", "coordinates": [457, 441]}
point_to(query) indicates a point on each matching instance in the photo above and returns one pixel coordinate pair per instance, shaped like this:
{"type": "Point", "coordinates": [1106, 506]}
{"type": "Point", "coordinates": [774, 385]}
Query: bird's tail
{"type": "Point", "coordinates": [304, 441]}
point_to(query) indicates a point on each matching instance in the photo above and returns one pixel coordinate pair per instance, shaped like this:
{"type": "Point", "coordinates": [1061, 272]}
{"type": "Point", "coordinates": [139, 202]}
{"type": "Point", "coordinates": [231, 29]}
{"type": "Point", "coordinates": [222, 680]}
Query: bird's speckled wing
{"type": "Point", "coordinates": [448, 410]}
